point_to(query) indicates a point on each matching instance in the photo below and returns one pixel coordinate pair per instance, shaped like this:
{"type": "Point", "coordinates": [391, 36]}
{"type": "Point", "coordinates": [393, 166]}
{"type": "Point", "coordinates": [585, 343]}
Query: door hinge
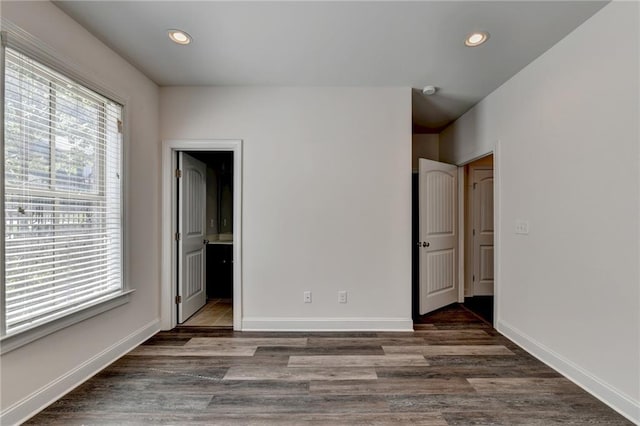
{"type": "Point", "coordinates": [120, 126]}
{"type": "Point", "coordinates": [474, 278]}
{"type": "Point", "coordinates": [474, 232]}
{"type": "Point", "coordinates": [178, 236]}
{"type": "Point", "coordinates": [178, 299]}
{"type": "Point", "coordinates": [178, 173]}
{"type": "Point", "coordinates": [475, 184]}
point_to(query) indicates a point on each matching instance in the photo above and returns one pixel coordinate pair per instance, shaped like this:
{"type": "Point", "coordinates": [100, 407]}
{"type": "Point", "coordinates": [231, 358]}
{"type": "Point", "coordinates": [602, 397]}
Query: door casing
{"type": "Point", "coordinates": [479, 288]}
{"type": "Point", "coordinates": [466, 220]}
{"type": "Point", "coordinates": [168, 275]}
{"type": "Point", "coordinates": [497, 231]}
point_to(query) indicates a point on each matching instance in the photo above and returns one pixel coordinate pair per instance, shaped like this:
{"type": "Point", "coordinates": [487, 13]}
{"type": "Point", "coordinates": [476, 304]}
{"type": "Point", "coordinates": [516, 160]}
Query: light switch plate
{"type": "Point", "coordinates": [522, 227]}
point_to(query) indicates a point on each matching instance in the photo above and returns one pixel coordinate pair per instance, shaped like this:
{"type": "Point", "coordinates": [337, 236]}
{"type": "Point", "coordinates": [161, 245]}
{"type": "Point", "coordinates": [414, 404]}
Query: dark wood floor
{"type": "Point", "coordinates": [481, 306]}
{"type": "Point", "coordinates": [453, 370]}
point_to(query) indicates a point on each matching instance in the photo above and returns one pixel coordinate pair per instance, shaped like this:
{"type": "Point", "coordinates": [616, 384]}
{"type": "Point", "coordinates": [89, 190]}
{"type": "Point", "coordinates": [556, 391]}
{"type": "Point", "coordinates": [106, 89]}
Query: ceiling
{"type": "Point", "coordinates": [308, 43]}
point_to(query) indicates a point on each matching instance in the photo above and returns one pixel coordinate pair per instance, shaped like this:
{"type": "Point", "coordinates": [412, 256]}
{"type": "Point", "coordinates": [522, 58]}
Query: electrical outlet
{"type": "Point", "coordinates": [342, 296]}
{"type": "Point", "coordinates": [307, 297]}
{"type": "Point", "coordinates": [522, 227]}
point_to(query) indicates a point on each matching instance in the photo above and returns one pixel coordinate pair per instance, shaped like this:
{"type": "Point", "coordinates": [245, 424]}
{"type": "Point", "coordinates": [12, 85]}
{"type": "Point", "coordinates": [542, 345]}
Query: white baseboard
{"type": "Point", "coordinates": [622, 403]}
{"type": "Point", "coordinates": [327, 324]}
{"type": "Point", "coordinates": [483, 289]}
{"type": "Point", "coordinates": [43, 397]}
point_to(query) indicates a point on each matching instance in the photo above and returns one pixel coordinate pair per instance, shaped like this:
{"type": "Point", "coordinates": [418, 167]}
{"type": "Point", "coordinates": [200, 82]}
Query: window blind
{"type": "Point", "coordinates": [62, 195]}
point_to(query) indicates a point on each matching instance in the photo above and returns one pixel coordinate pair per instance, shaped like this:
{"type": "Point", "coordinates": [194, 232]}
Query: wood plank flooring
{"type": "Point", "coordinates": [454, 369]}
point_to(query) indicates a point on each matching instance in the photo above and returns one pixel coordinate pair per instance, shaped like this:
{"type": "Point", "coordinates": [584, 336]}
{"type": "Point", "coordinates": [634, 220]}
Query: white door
{"type": "Point", "coordinates": [482, 232]}
{"type": "Point", "coordinates": [438, 205]}
{"type": "Point", "coordinates": [192, 194]}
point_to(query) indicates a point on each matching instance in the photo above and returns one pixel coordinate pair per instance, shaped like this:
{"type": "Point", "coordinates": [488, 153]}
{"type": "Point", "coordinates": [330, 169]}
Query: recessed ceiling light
{"type": "Point", "coordinates": [476, 39]}
{"type": "Point", "coordinates": [180, 37]}
{"type": "Point", "coordinates": [429, 90]}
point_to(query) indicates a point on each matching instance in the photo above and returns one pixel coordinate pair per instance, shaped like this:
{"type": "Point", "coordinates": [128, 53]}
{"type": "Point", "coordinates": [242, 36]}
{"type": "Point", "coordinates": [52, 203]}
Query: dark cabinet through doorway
{"type": "Point", "coordinates": [219, 271]}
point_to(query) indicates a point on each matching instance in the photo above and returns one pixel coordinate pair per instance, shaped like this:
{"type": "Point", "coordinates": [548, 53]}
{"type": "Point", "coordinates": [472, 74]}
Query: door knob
{"type": "Point", "coordinates": [425, 244]}
{"type": "Point", "coordinates": [205, 242]}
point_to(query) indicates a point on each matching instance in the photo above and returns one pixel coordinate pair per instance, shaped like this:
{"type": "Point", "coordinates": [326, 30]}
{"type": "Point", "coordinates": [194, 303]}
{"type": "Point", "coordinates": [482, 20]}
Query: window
{"type": "Point", "coordinates": [62, 196]}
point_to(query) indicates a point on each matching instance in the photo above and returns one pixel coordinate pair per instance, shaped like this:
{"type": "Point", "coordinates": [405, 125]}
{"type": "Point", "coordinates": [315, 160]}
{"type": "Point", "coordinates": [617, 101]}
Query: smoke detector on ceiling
{"type": "Point", "coordinates": [429, 90]}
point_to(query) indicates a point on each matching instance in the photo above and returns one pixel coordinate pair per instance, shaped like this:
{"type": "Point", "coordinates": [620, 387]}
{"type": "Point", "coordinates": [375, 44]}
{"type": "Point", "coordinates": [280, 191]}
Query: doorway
{"type": "Point", "coordinates": [209, 269]}
{"type": "Point", "coordinates": [479, 237]}
{"type": "Point", "coordinates": [205, 243]}
{"type": "Point", "coordinates": [474, 226]}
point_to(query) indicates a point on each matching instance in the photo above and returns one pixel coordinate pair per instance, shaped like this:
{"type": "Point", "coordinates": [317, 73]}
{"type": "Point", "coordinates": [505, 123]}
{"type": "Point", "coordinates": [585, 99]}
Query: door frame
{"type": "Point", "coordinates": [168, 273]}
{"type": "Point", "coordinates": [496, 228]}
{"type": "Point", "coordinates": [468, 170]}
{"type": "Point", "coordinates": [473, 215]}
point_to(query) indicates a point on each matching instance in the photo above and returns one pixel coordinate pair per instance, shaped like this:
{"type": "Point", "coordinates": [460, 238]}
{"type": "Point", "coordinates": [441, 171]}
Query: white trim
{"type": "Point", "coordinates": [473, 211]}
{"type": "Point", "coordinates": [496, 222]}
{"type": "Point", "coordinates": [14, 341]}
{"type": "Point", "coordinates": [623, 404]}
{"type": "Point", "coordinates": [29, 406]}
{"type": "Point", "coordinates": [497, 232]}
{"type": "Point", "coordinates": [168, 311]}
{"type": "Point", "coordinates": [326, 324]}
{"type": "Point", "coordinates": [461, 234]}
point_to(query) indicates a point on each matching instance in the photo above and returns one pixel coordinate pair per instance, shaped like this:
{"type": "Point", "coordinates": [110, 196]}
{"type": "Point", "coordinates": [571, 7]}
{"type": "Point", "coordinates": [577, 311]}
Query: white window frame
{"type": "Point", "coordinates": [15, 38]}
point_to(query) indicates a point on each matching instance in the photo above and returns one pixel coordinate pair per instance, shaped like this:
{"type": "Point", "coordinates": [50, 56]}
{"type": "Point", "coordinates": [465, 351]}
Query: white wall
{"type": "Point", "coordinates": [424, 146]}
{"type": "Point", "coordinates": [326, 198]}
{"type": "Point", "coordinates": [568, 162]}
{"type": "Point", "coordinates": [35, 374]}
